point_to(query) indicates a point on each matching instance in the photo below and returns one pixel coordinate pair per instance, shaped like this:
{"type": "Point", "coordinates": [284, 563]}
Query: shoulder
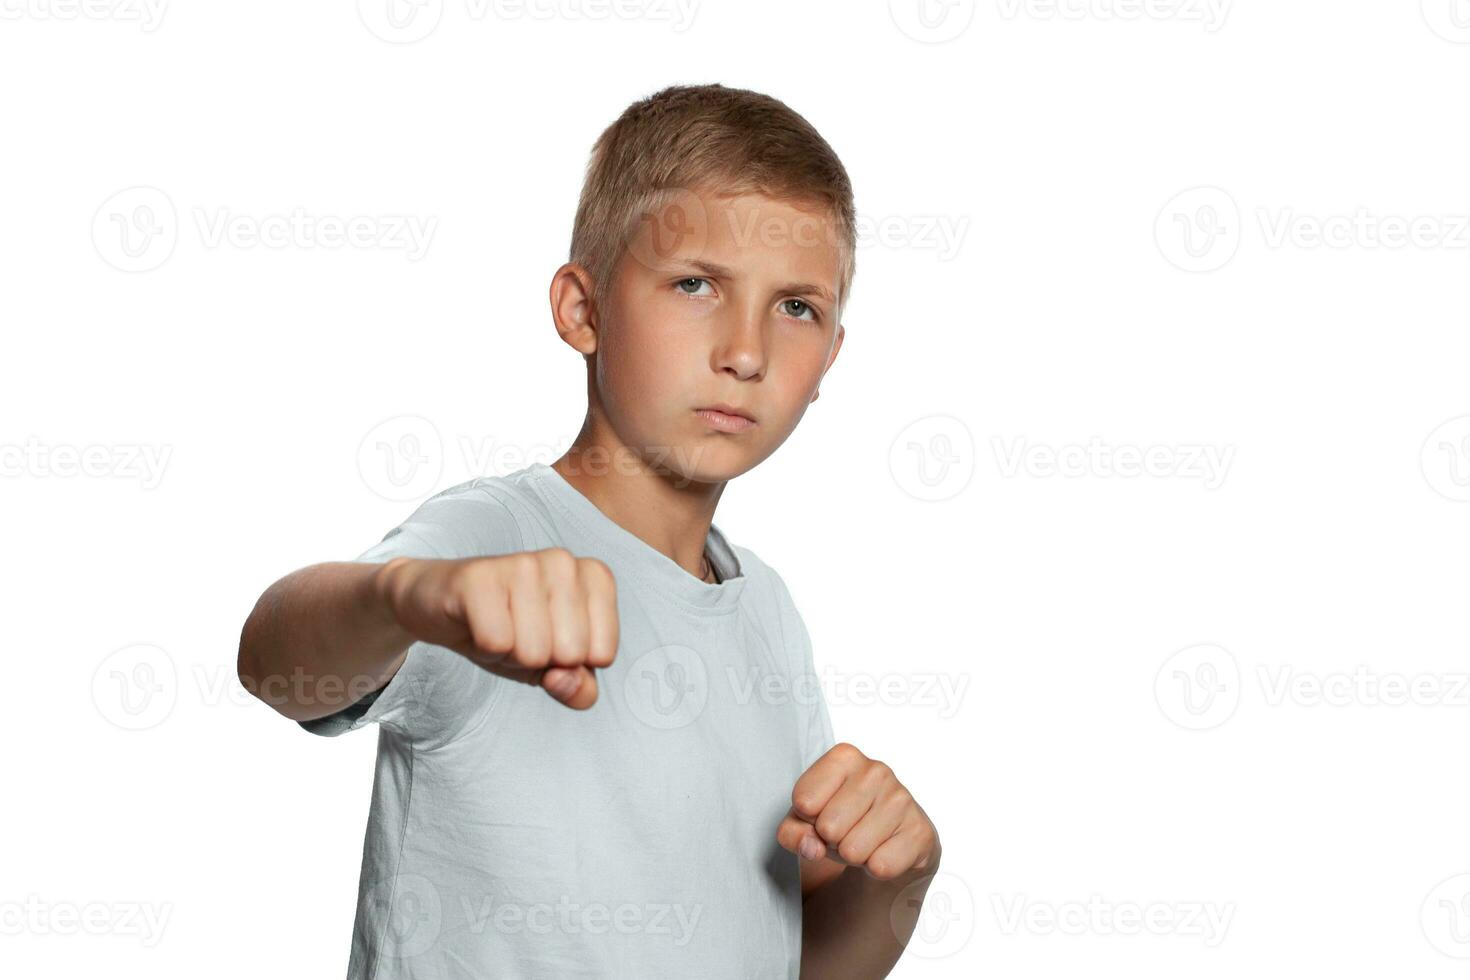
{"type": "Point", "coordinates": [766, 587]}
{"type": "Point", "coordinates": [481, 516]}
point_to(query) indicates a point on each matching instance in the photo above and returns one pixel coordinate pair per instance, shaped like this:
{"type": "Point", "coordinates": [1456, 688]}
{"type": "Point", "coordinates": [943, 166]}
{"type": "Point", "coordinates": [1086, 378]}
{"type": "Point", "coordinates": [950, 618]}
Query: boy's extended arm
{"type": "Point", "coordinates": [322, 638]}
{"type": "Point", "coordinates": [327, 635]}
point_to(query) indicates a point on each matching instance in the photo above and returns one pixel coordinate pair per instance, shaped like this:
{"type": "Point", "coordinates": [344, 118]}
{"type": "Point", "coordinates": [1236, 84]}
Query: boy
{"type": "Point", "coordinates": [578, 774]}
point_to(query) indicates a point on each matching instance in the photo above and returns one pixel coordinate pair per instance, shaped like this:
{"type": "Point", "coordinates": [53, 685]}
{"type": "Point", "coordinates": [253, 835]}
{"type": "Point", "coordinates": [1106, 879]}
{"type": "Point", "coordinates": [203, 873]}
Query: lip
{"type": "Point", "coordinates": [726, 418]}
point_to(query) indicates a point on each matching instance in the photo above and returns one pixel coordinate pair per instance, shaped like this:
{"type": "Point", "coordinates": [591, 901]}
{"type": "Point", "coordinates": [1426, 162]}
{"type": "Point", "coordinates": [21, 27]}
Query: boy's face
{"type": "Point", "coordinates": [717, 300]}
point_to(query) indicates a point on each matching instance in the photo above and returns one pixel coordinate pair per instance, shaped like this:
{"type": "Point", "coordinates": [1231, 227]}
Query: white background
{"type": "Point", "coordinates": [1047, 277]}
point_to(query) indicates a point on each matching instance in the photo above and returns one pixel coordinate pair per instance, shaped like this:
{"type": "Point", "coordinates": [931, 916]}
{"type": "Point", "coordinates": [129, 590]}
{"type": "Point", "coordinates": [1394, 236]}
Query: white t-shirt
{"type": "Point", "coordinates": [512, 836]}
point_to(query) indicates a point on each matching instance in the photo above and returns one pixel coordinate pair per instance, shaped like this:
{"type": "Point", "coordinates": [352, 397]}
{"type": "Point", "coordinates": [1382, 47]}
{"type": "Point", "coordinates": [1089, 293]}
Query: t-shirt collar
{"type": "Point", "coordinates": [657, 568]}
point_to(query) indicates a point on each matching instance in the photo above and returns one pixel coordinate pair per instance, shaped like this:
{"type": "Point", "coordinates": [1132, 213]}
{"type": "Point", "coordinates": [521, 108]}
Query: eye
{"type": "Point", "coordinates": [796, 308]}
{"type": "Point", "coordinates": [696, 281]}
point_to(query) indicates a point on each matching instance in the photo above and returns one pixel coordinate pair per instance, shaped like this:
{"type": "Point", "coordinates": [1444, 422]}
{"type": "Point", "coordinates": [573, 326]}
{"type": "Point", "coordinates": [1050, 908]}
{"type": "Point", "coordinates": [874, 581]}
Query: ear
{"type": "Point", "coordinates": [573, 308]}
{"type": "Point", "coordinates": [841, 332]}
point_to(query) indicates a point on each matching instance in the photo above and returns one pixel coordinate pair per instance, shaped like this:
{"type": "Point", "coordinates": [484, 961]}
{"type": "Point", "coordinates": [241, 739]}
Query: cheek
{"type": "Point", "coordinates": [641, 365]}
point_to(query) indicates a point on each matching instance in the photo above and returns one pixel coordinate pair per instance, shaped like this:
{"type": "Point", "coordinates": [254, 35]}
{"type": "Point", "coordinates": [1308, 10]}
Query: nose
{"type": "Point", "coordinates": [741, 348]}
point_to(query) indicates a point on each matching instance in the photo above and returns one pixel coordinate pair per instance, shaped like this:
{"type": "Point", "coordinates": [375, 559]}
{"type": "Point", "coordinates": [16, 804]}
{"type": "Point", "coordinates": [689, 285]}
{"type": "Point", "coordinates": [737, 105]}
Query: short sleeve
{"type": "Point", "coordinates": [816, 722]}
{"type": "Point", "coordinates": [819, 736]}
{"type": "Point", "coordinates": [436, 694]}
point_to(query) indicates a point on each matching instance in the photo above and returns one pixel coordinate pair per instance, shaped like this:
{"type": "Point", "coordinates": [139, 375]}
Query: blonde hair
{"type": "Point", "coordinates": [686, 138]}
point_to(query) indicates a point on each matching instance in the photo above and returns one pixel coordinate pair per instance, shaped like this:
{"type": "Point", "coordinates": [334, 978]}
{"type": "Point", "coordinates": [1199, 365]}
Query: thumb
{"type": "Point", "coordinates": [575, 687]}
{"type": "Point", "coordinates": [800, 837]}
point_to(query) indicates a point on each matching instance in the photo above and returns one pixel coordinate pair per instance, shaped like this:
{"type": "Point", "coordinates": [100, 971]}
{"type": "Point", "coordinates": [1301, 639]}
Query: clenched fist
{"type": "Point", "coordinates": [848, 809]}
{"type": "Point", "coordinates": [542, 617]}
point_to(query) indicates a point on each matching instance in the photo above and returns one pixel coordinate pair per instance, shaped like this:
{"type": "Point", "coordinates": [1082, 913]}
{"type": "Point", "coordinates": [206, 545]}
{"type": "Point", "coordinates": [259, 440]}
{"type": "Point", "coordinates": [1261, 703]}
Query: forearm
{"type": "Point", "coordinates": [856, 926]}
{"type": "Point", "coordinates": [320, 639]}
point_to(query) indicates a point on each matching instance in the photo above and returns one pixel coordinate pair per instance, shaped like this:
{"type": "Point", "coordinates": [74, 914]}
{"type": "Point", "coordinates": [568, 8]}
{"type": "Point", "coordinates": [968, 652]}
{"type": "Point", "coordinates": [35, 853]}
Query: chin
{"type": "Point", "coordinates": [705, 462]}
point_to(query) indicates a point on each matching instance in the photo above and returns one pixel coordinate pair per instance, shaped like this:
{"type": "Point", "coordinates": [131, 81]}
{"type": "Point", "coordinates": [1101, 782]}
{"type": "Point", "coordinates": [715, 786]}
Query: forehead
{"type": "Point", "coordinates": [751, 234]}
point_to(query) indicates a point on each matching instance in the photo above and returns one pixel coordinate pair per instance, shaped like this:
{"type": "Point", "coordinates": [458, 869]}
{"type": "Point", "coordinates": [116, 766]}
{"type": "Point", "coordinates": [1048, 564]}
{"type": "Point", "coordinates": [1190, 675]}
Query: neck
{"type": "Point", "coordinates": [664, 508]}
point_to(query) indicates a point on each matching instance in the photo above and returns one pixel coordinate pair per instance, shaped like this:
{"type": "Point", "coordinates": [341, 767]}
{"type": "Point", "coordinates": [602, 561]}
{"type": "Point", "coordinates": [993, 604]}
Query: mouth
{"type": "Point", "coordinates": [726, 418]}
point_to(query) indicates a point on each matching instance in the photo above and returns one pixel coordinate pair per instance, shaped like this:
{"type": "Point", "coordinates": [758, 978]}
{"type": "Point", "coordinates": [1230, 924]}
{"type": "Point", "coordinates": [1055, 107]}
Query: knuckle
{"type": "Point", "coordinates": [827, 827]}
{"type": "Point", "coordinates": [558, 562]}
{"type": "Point", "coordinates": [594, 568]}
{"type": "Point", "coordinates": [523, 567]}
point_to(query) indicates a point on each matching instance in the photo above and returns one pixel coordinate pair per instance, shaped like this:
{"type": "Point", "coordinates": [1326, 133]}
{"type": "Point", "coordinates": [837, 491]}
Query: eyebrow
{"type": "Point", "coordinates": [798, 288]}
